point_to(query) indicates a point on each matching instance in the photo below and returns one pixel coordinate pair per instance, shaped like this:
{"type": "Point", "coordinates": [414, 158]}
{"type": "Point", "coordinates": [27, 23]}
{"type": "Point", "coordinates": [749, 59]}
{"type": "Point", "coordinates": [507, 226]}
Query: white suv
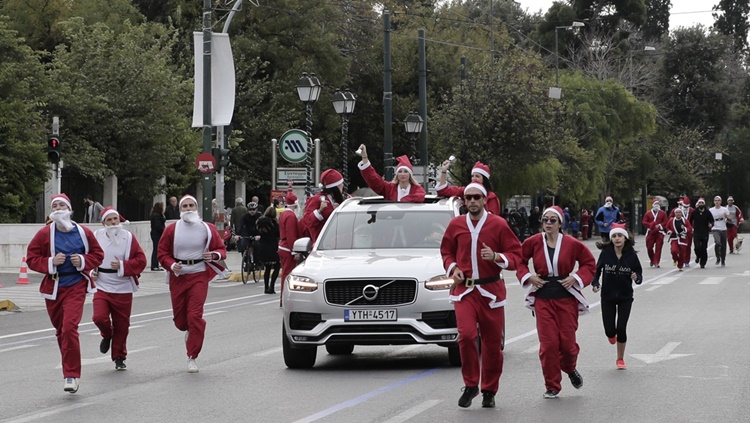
{"type": "Point", "coordinates": [374, 277]}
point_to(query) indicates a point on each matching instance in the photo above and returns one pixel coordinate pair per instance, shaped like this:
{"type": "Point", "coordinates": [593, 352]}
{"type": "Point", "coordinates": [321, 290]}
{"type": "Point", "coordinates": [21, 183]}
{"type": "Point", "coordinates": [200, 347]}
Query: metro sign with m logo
{"type": "Point", "coordinates": [293, 145]}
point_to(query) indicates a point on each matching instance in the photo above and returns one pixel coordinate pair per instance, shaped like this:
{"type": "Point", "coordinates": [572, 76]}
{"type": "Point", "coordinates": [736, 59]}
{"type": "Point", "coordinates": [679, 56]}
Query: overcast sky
{"type": "Point", "coordinates": [683, 12]}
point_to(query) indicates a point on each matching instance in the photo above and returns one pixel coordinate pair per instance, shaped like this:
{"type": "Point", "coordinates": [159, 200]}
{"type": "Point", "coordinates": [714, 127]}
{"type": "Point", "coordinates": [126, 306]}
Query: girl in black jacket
{"type": "Point", "coordinates": [267, 247]}
{"type": "Point", "coordinates": [619, 265]}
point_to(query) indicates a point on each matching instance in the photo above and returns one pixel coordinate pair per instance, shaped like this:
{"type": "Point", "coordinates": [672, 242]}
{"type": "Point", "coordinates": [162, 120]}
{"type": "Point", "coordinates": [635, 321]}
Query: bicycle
{"type": "Point", "coordinates": [248, 263]}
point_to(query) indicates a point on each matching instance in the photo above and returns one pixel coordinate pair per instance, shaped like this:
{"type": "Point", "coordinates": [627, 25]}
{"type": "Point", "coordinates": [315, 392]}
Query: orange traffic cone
{"type": "Point", "coordinates": [23, 277]}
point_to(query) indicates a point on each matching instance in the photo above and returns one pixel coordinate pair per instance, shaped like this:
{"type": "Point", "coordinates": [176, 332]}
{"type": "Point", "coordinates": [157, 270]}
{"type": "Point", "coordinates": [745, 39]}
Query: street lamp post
{"type": "Point", "coordinates": [413, 124]}
{"type": "Point", "coordinates": [308, 89]}
{"type": "Point", "coordinates": [574, 25]}
{"type": "Point", "coordinates": [343, 103]}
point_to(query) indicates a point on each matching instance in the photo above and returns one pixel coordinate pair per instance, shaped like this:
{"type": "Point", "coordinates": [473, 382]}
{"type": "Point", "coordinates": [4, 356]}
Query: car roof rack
{"type": "Point", "coordinates": [429, 199]}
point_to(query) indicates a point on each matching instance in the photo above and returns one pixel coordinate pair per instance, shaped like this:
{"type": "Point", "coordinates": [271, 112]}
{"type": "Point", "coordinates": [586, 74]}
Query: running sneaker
{"type": "Point", "coordinates": [469, 393]}
{"type": "Point", "coordinates": [612, 340]}
{"type": "Point", "coordinates": [120, 364]}
{"type": "Point", "coordinates": [576, 379]}
{"type": "Point", "coordinates": [192, 366]}
{"type": "Point", "coordinates": [550, 394]}
{"type": "Point", "coordinates": [71, 385]}
{"type": "Point", "coordinates": [621, 364]}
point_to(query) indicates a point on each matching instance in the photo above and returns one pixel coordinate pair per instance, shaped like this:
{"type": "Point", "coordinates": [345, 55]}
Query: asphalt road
{"type": "Point", "coordinates": [688, 360]}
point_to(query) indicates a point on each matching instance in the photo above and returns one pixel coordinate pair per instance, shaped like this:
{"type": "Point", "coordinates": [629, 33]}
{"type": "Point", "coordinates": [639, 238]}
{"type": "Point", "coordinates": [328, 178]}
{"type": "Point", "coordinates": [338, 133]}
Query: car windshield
{"type": "Point", "coordinates": [368, 229]}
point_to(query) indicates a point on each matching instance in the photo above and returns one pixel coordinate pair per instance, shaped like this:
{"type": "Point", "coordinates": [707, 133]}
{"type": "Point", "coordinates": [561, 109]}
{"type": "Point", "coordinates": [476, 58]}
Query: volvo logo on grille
{"type": "Point", "coordinates": [370, 292]}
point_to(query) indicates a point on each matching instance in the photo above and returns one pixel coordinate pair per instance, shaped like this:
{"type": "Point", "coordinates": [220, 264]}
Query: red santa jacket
{"type": "Point", "coordinates": [389, 190]}
{"type": "Point", "coordinates": [654, 224]}
{"type": "Point", "coordinates": [313, 220]}
{"type": "Point", "coordinates": [568, 252]}
{"type": "Point", "coordinates": [134, 261]}
{"type": "Point", "coordinates": [41, 250]}
{"type": "Point", "coordinates": [462, 245]}
{"type": "Point", "coordinates": [288, 230]}
{"type": "Point", "coordinates": [679, 236]}
{"type": "Point", "coordinates": [214, 244]}
{"type": "Point", "coordinates": [492, 203]}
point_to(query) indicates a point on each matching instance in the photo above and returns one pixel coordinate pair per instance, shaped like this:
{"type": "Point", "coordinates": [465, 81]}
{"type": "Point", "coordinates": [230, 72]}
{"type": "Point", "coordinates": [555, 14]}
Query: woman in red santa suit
{"type": "Point", "coordinates": [554, 294]}
{"type": "Point", "coordinates": [321, 205]}
{"type": "Point", "coordinates": [679, 229]}
{"type": "Point", "coordinates": [116, 281]}
{"type": "Point", "coordinates": [288, 233]}
{"type": "Point", "coordinates": [480, 174]}
{"type": "Point", "coordinates": [475, 249]}
{"type": "Point", "coordinates": [65, 253]}
{"type": "Point", "coordinates": [402, 188]}
{"type": "Point", "coordinates": [191, 250]}
{"type": "Point", "coordinates": [654, 221]}
{"type": "Point", "coordinates": [687, 211]}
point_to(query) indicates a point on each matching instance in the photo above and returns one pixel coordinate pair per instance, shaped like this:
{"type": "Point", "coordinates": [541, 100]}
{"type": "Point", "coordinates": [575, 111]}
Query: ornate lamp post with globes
{"type": "Point", "coordinates": [343, 103]}
{"type": "Point", "coordinates": [308, 89]}
{"type": "Point", "coordinates": [413, 125]}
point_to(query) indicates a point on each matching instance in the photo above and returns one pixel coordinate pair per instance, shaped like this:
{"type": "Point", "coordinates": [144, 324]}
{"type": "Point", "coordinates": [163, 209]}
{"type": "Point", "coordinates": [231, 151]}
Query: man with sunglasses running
{"type": "Point", "coordinates": [475, 249]}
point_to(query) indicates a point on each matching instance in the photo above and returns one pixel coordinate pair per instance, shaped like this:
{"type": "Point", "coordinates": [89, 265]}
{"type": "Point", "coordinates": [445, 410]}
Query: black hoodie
{"type": "Point", "coordinates": [616, 282]}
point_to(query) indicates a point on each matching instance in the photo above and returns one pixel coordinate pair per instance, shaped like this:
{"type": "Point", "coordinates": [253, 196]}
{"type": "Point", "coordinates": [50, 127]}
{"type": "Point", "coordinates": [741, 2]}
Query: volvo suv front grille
{"type": "Point", "coordinates": [371, 292]}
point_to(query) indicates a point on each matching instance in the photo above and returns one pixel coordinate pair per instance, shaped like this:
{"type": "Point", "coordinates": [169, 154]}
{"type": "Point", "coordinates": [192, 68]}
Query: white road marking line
{"type": "Point", "coordinates": [46, 413]}
{"type": "Point", "coordinates": [653, 288]}
{"type": "Point", "coordinates": [214, 312]}
{"type": "Point", "coordinates": [267, 352]}
{"type": "Point", "coordinates": [20, 347]}
{"type": "Point", "coordinates": [268, 302]}
{"type": "Point", "coordinates": [420, 408]}
{"type": "Point", "coordinates": [403, 350]}
{"type": "Point", "coordinates": [106, 358]}
{"type": "Point", "coordinates": [714, 280]}
{"type": "Point", "coordinates": [665, 281]}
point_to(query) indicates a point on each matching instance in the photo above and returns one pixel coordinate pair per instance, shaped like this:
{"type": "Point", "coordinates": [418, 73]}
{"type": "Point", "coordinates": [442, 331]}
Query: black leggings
{"type": "Point", "coordinates": [275, 266]}
{"type": "Point", "coordinates": [621, 309]}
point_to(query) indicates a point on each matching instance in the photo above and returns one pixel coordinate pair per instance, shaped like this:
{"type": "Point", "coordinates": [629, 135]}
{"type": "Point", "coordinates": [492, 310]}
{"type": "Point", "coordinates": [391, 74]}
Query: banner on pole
{"type": "Point", "coordinates": [222, 80]}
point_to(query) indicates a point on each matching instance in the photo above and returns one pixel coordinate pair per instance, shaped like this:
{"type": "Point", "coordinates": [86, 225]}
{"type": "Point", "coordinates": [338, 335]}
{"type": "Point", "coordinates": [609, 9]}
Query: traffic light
{"type": "Point", "coordinates": [54, 149]}
{"type": "Point", "coordinates": [221, 155]}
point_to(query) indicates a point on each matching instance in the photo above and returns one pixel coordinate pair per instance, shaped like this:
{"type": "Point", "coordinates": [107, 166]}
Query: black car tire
{"type": "Point", "coordinates": [297, 358]}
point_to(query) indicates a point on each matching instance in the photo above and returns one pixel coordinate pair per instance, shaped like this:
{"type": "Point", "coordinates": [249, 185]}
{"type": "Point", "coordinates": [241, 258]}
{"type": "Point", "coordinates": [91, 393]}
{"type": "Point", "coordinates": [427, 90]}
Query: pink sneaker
{"type": "Point", "coordinates": [612, 340]}
{"type": "Point", "coordinates": [621, 364]}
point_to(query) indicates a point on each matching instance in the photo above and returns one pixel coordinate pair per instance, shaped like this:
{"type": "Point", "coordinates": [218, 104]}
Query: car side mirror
{"type": "Point", "coordinates": [302, 246]}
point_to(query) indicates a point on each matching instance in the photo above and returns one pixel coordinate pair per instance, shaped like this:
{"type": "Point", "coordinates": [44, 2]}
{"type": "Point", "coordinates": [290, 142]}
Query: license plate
{"type": "Point", "coordinates": [370, 315]}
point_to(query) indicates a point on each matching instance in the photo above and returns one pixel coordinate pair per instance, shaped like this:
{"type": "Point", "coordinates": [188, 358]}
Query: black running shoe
{"type": "Point", "coordinates": [120, 364]}
{"type": "Point", "coordinates": [469, 393]}
{"type": "Point", "coordinates": [550, 394]}
{"type": "Point", "coordinates": [488, 399]}
{"type": "Point", "coordinates": [104, 345]}
{"type": "Point", "coordinates": [576, 379]}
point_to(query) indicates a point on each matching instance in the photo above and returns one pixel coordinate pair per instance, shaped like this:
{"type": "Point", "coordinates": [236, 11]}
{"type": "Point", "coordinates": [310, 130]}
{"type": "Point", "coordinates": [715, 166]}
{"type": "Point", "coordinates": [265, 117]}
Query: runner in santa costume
{"type": "Point", "coordinates": [480, 174]}
{"type": "Point", "coordinates": [116, 281]}
{"type": "Point", "coordinates": [403, 187]}
{"type": "Point", "coordinates": [476, 248]}
{"type": "Point", "coordinates": [687, 212]}
{"type": "Point", "coordinates": [65, 253]}
{"type": "Point", "coordinates": [734, 222]}
{"type": "Point", "coordinates": [288, 233]}
{"type": "Point", "coordinates": [191, 251]}
{"type": "Point", "coordinates": [678, 229]}
{"type": "Point", "coordinates": [321, 205]}
{"type": "Point", "coordinates": [654, 221]}
{"type": "Point", "coordinates": [554, 295]}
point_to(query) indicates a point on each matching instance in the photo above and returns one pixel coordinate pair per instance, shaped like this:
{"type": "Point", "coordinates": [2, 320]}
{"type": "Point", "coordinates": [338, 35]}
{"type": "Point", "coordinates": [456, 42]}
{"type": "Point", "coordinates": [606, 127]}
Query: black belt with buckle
{"type": "Point", "coordinates": [103, 270]}
{"type": "Point", "coordinates": [469, 282]}
{"type": "Point", "coordinates": [58, 275]}
{"type": "Point", "coordinates": [189, 262]}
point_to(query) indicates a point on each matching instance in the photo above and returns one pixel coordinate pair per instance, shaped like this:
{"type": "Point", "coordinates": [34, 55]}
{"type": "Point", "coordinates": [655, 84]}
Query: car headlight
{"type": "Point", "coordinates": [439, 283]}
{"type": "Point", "coordinates": [301, 283]}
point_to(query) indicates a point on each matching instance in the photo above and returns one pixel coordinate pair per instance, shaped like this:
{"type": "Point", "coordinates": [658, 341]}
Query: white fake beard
{"type": "Point", "coordinates": [190, 217]}
{"type": "Point", "coordinates": [62, 218]}
{"type": "Point", "coordinates": [608, 205]}
{"type": "Point", "coordinates": [656, 208]}
{"type": "Point", "coordinates": [112, 232]}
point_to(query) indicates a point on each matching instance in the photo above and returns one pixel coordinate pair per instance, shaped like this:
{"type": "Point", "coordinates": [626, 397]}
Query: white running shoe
{"type": "Point", "coordinates": [192, 366]}
{"type": "Point", "coordinates": [71, 385]}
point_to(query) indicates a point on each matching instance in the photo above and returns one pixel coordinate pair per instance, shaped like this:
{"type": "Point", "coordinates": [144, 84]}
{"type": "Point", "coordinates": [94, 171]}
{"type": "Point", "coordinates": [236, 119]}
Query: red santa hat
{"type": "Point", "coordinates": [730, 198]}
{"type": "Point", "coordinates": [481, 169]}
{"type": "Point", "coordinates": [290, 198]}
{"type": "Point", "coordinates": [480, 187]}
{"type": "Point", "coordinates": [61, 197]}
{"type": "Point", "coordinates": [404, 163]}
{"type": "Point", "coordinates": [656, 202]}
{"type": "Point", "coordinates": [686, 201]}
{"type": "Point", "coordinates": [331, 178]}
{"type": "Point", "coordinates": [111, 210]}
{"type": "Point", "coordinates": [619, 228]}
{"type": "Point", "coordinates": [187, 197]}
{"type": "Point", "coordinates": [700, 201]}
{"type": "Point", "coordinates": [679, 201]}
{"type": "Point", "coordinates": [556, 210]}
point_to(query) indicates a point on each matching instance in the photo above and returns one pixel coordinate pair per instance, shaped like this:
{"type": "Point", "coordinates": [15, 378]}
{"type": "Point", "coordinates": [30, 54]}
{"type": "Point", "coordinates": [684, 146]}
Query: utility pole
{"type": "Point", "coordinates": [52, 185]}
{"type": "Point", "coordinates": [387, 99]}
{"type": "Point", "coordinates": [423, 107]}
{"type": "Point", "coordinates": [208, 182]}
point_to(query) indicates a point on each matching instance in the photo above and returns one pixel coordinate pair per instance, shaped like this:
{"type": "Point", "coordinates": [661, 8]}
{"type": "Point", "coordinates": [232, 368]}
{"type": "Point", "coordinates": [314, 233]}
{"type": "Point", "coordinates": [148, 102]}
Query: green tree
{"type": "Point", "coordinates": [734, 21]}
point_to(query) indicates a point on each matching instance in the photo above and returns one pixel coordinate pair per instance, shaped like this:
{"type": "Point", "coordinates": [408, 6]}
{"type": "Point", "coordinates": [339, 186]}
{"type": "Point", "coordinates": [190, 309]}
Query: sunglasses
{"type": "Point", "coordinates": [476, 197]}
{"type": "Point", "coordinates": [549, 220]}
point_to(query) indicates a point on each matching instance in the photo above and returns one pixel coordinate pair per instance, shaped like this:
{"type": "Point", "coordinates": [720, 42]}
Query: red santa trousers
{"type": "Point", "coordinates": [680, 253]}
{"type": "Point", "coordinates": [288, 263]}
{"type": "Point", "coordinates": [731, 236]}
{"type": "Point", "coordinates": [112, 317]}
{"type": "Point", "coordinates": [189, 294]}
{"type": "Point", "coordinates": [654, 244]}
{"type": "Point", "coordinates": [556, 325]}
{"type": "Point", "coordinates": [585, 232]}
{"type": "Point", "coordinates": [471, 311]}
{"type": "Point", "coordinates": [65, 313]}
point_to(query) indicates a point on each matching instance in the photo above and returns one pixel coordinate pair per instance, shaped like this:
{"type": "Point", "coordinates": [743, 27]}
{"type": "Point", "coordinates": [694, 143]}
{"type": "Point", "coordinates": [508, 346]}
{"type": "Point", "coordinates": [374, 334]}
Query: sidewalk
{"type": "Point", "coordinates": [26, 297]}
